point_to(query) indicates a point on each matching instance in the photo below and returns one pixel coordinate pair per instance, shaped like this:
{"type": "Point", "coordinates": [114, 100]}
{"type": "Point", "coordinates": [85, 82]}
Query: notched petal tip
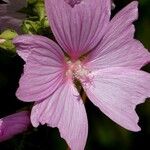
{"type": "Point", "coordinates": [134, 3]}
{"type": "Point", "coordinates": [72, 3]}
{"type": "Point", "coordinates": [80, 29]}
{"type": "Point", "coordinates": [15, 39]}
{"type": "Point", "coordinates": [65, 111]}
{"type": "Point", "coordinates": [137, 129]}
{"type": "Point", "coordinates": [44, 67]}
{"type": "Point", "coordinates": [34, 121]}
{"type": "Point", "coordinates": [134, 6]}
{"type": "Point", "coordinates": [19, 39]}
{"type": "Point", "coordinates": [22, 96]}
{"type": "Point", "coordinates": [134, 128]}
{"type": "Point", "coordinates": [21, 43]}
{"type": "Point", "coordinates": [132, 88]}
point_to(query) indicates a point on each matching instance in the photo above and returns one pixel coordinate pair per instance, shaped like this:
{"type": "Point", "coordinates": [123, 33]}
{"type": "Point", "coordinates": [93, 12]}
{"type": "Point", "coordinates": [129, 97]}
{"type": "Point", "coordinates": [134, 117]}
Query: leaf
{"type": "Point", "coordinates": [8, 34]}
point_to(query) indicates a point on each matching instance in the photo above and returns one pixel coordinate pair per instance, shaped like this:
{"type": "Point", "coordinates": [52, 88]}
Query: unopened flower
{"type": "Point", "coordinates": [9, 17]}
{"type": "Point", "coordinates": [100, 54]}
{"type": "Point", "coordinates": [13, 125]}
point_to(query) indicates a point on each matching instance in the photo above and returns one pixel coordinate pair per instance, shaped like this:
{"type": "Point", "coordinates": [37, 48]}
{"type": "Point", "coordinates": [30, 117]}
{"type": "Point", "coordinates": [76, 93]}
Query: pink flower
{"type": "Point", "coordinates": [100, 53]}
{"type": "Point", "coordinates": [13, 125]}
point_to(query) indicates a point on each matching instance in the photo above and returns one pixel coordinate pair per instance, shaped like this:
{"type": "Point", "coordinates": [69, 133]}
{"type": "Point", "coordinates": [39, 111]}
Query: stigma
{"type": "Point", "coordinates": [76, 70]}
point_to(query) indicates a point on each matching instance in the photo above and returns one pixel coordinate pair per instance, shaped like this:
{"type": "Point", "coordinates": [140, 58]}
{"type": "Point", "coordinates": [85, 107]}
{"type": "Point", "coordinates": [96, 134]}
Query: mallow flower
{"type": "Point", "coordinates": [93, 51]}
{"type": "Point", "coordinates": [14, 124]}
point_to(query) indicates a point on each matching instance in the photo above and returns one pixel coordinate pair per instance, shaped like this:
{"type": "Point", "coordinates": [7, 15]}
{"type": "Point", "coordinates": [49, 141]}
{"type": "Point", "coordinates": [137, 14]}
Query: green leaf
{"type": "Point", "coordinates": [8, 45]}
{"type": "Point", "coordinates": [31, 27]}
{"type": "Point", "coordinates": [39, 8]}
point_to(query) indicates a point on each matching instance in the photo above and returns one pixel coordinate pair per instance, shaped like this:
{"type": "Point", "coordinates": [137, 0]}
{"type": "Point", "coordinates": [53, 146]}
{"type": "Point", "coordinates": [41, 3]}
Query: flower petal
{"type": "Point", "coordinates": [14, 124]}
{"type": "Point", "coordinates": [78, 26]}
{"type": "Point", "coordinates": [44, 68]}
{"type": "Point", "coordinates": [118, 47]}
{"type": "Point", "coordinates": [117, 91]}
{"type": "Point", "coordinates": [64, 109]}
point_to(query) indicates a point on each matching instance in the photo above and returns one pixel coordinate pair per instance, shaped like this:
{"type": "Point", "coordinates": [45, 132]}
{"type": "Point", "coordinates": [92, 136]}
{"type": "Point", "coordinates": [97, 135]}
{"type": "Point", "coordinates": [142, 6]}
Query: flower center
{"type": "Point", "coordinates": [76, 70]}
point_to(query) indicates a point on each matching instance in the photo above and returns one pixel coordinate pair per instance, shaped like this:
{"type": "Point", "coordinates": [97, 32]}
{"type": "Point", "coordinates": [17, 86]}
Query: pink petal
{"type": "Point", "coordinates": [117, 91]}
{"type": "Point", "coordinates": [64, 109]}
{"type": "Point", "coordinates": [78, 26]}
{"type": "Point", "coordinates": [118, 47]}
{"type": "Point", "coordinates": [44, 68]}
{"type": "Point", "coordinates": [13, 125]}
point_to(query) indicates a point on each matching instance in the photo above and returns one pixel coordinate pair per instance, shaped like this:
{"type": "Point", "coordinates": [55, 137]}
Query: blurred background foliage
{"type": "Point", "coordinates": [103, 133]}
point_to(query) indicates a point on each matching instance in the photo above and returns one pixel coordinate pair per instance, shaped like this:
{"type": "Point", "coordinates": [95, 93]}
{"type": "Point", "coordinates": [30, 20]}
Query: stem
{"type": "Point", "coordinates": [84, 97]}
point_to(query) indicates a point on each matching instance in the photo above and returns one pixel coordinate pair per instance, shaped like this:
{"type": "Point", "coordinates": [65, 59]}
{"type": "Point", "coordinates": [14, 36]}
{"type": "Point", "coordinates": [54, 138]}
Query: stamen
{"type": "Point", "coordinates": [76, 70]}
{"type": "Point", "coordinates": [80, 75]}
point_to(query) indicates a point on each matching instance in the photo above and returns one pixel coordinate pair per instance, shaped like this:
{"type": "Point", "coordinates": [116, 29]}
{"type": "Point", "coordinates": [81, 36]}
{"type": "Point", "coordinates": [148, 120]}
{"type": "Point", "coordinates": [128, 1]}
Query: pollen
{"type": "Point", "coordinates": [76, 70]}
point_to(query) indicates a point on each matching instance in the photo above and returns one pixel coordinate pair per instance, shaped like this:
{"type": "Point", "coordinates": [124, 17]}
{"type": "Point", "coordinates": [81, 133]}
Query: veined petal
{"type": "Point", "coordinates": [64, 109]}
{"type": "Point", "coordinates": [78, 26]}
{"type": "Point", "coordinates": [44, 68]}
{"type": "Point", "coordinates": [118, 47]}
{"type": "Point", "coordinates": [117, 91]}
{"type": "Point", "coordinates": [13, 125]}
